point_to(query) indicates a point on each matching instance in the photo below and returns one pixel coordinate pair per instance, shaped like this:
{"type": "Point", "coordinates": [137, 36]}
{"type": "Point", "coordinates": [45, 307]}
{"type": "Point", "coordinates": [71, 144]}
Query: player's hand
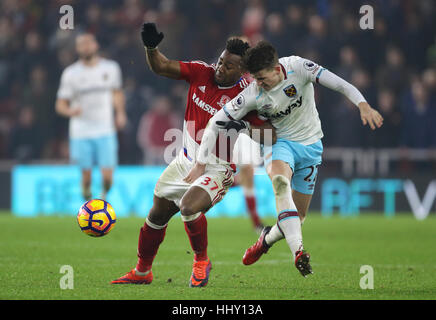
{"type": "Point", "coordinates": [120, 120]}
{"type": "Point", "coordinates": [150, 37]}
{"type": "Point", "coordinates": [196, 172]}
{"type": "Point", "coordinates": [74, 112]}
{"type": "Point", "coordinates": [370, 116]}
{"type": "Point", "coordinates": [237, 125]}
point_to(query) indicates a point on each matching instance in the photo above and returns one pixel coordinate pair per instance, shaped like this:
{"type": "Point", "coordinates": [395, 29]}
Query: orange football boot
{"type": "Point", "coordinates": [132, 278]}
{"type": "Point", "coordinates": [200, 273]}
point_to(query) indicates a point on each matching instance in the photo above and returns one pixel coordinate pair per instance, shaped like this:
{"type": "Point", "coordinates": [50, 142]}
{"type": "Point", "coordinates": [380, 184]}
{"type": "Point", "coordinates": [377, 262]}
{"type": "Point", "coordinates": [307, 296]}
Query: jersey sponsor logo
{"type": "Point", "coordinates": [286, 112]}
{"type": "Point", "coordinates": [203, 105]}
{"type": "Point", "coordinates": [290, 91]}
{"type": "Point", "coordinates": [224, 99]}
{"type": "Point", "coordinates": [202, 88]}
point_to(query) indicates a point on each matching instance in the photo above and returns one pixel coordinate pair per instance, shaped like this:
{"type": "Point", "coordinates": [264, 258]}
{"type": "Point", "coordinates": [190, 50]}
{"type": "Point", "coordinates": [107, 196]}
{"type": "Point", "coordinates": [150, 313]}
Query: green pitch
{"type": "Point", "coordinates": [400, 250]}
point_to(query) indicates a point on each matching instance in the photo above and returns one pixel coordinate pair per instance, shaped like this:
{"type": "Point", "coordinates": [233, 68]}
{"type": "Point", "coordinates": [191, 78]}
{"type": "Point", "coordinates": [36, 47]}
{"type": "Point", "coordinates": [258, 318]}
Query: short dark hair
{"type": "Point", "coordinates": [262, 56]}
{"type": "Point", "coordinates": [237, 46]}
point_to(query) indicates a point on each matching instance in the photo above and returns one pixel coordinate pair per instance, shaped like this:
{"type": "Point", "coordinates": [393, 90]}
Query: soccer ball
{"type": "Point", "coordinates": [96, 218]}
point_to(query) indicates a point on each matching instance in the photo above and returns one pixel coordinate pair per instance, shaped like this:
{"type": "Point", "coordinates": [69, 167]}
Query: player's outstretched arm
{"type": "Point", "coordinates": [368, 115]}
{"type": "Point", "coordinates": [158, 62]}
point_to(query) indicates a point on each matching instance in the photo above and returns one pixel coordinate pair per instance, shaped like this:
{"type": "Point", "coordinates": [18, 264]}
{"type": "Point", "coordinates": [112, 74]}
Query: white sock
{"type": "Point", "coordinates": [290, 224]}
{"type": "Point", "coordinates": [248, 192]}
{"type": "Point", "coordinates": [273, 235]}
{"type": "Point", "coordinates": [288, 220]}
{"type": "Point", "coordinates": [142, 274]}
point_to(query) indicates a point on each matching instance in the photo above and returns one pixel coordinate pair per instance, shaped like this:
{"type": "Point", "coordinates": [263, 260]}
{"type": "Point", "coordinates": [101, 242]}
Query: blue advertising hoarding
{"type": "Point", "coordinates": [55, 189]}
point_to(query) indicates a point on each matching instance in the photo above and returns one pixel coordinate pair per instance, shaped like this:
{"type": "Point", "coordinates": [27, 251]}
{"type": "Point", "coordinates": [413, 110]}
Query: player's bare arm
{"type": "Point", "coordinates": [157, 61]}
{"type": "Point", "coordinates": [64, 109]}
{"type": "Point", "coordinates": [119, 102]}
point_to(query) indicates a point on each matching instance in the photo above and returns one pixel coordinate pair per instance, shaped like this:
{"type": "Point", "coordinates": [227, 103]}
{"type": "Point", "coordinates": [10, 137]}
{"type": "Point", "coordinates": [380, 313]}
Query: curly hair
{"type": "Point", "coordinates": [262, 56]}
{"type": "Point", "coordinates": [237, 46]}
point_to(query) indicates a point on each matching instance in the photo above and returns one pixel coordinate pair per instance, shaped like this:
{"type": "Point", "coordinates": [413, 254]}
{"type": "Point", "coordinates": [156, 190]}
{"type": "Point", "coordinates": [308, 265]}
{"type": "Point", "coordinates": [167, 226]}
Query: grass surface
{"type": "Point", "coordinates": [401, 251]}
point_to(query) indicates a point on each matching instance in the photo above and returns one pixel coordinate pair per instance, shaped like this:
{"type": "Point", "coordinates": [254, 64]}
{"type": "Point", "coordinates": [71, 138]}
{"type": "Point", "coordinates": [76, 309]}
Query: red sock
{"type": "Point", "coordinates": [251, 205]}
{"type": "Point", "coordinates": [148, 244]}
{"type": "Point", "coordinates": [197, 233]}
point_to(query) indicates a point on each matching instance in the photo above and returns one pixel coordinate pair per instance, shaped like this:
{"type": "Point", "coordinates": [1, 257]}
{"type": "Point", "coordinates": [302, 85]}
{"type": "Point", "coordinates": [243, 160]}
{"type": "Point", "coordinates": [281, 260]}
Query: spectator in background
{"type": "Point", "coordinates": [135, 108]}
{"type": "Point", "coordinates": [431, 54]}
{"type": "Point", "coordinates": [389, 135]}
{"type": "Point", "coordinates": [296, 22]}
{"type": "Point", "coordinates": [429, 81]}
{"type": "Point", "coordinates": [252, 22]}
{"type": "Point", "coordinates": [34, 52]}
{"type": "Point", "coordinates": [394, 72]}
{"type": "Point", "coordinates": [348, 62]}
{"type": "Point", "coordinates": [317, 39]}
{"type": "Point", "coordinates": [24, 142]}
{"type": "Point", "coordinates": [39, 94]}
{"type": "Point", "coordinates": [276, 33]}
{"type": "Point", "coordinates": [362, 80]}
{"type": "Point", "coordinates": [152, 128]}
{"type": "Point", "coordinates": [419, 130]}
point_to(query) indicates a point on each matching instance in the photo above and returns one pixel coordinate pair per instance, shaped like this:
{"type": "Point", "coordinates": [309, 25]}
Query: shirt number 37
{"type": "Point", "coordinates": [207, 182]}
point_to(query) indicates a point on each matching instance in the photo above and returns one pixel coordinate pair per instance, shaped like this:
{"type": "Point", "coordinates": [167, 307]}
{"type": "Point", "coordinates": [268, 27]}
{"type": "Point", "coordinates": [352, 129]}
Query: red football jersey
{"type": "Point", "coordinates": [205, 98]}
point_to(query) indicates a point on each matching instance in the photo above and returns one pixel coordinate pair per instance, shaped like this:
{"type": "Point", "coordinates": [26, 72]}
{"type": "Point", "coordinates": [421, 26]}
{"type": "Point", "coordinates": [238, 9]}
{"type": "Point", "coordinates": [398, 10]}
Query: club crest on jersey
{"type": "Point", "coordinates": [290, 91]}
{"type": "Point", "coordinates": [224, 99]}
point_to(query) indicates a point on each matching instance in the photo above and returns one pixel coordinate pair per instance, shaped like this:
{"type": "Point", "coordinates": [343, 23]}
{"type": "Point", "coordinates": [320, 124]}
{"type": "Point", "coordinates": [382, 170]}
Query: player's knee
{"type": "Point", "coordinates": [281, 185]}
{"type": "Point", "coordinates": [187, 210]}
{"type": "Point", "coordinates": [247, 170]}
{"type": "Point", "coordinates": [158, 217]}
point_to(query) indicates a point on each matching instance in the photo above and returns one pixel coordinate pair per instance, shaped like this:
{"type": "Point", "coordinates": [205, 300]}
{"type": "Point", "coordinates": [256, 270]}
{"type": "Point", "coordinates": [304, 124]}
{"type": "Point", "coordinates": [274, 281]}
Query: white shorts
{"type": "Point", "coordinates": [216, 181]}
{"type": "Point", "coordinates": [246, 151]}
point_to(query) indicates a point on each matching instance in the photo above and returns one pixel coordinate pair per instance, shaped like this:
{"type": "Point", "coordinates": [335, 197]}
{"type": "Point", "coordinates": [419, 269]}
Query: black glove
{"type": "Point", "coordinates": [150, 37]}
{"type": "Point", "coordinates": [237, 125]}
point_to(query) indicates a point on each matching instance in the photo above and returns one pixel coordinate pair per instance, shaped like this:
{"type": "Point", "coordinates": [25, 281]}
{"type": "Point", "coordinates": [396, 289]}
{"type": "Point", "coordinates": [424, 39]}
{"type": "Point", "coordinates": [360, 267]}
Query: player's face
{"type": "Point", "coordinates": [268, 78]}
{"type": "Point", "coordinates": [228, 69]}
{"type": "Point", "coordinates": [86, 46]}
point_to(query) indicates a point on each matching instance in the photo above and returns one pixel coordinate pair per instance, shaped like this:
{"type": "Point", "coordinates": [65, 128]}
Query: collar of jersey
{"type": "Point", "coordinates": [220, 87]}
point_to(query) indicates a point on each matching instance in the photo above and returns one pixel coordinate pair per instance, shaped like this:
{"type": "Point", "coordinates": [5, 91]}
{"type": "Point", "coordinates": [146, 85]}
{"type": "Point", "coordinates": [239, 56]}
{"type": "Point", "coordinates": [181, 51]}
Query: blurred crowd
{"type": "Point", "coordinates": [394, 65]}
